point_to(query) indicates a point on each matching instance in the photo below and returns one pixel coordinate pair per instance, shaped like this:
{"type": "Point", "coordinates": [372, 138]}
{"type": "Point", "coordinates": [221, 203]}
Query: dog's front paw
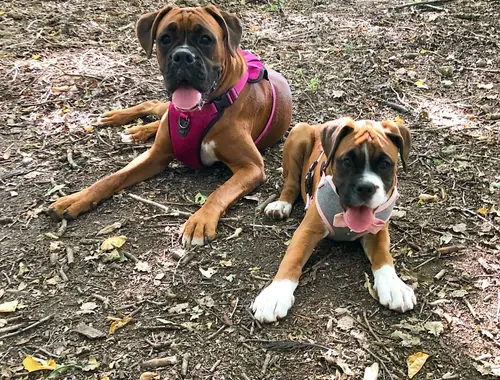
{"type": "Point", "coordinates": [278, 210]}
{"type": "Point", "coordinates": [392, 291]}
{"type": "Point", "coordinates": [274, 301]}
{"type": "Point", "coordinates": [70, 206]}
{"type": "Point", "coordinates": [200, 228]}
{"type": "Point", "coordinates": [115, 117]}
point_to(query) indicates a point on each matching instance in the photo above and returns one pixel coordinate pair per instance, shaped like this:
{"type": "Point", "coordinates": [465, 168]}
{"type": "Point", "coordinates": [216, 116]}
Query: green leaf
{"type": "Point", "coordinates": [200, 199]}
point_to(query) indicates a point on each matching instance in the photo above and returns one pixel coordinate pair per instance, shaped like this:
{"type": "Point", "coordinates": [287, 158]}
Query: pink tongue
{"type": "Point", "coordinates": [186, 98]}
{"type": "Point", "coordinates": [359, 219]}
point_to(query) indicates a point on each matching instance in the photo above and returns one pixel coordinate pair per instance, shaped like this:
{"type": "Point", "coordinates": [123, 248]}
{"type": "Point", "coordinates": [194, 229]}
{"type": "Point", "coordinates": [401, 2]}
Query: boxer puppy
{"type": "Point", "coordinates": [204, 71]}
{"type": "Point", "coordinates": [346, 173]}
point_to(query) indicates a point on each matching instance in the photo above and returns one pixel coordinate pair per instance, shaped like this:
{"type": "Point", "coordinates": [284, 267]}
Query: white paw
{"type": "Point", "coordinates": [392, 291]}
{"type": "Point", "coordinates": [274, 301]}
{"type": "Point", "coordinates": [126, 138]}
{"type": "Point", "coordinates": [278, 210]}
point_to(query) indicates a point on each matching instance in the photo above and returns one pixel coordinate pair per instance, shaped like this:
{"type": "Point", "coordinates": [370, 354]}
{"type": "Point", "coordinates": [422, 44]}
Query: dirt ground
{"type": "Point", "coordinates": [434, 67]}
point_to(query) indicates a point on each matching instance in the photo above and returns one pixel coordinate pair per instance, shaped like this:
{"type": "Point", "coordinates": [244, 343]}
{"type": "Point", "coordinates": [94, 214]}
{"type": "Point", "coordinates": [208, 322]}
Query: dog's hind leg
{"type": "Point", "coordinates": [298, 148]}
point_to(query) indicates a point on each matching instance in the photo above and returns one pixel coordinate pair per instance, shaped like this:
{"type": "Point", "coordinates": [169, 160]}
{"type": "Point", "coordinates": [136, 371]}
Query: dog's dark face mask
{"type": "Point", "coordinates": [192, 47]}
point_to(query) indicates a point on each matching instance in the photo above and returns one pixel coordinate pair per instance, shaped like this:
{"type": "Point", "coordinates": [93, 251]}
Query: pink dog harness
{"type": "Point", "coordinates": [332, 213]}
{"type": "Point", "coordinates": [188, 129]}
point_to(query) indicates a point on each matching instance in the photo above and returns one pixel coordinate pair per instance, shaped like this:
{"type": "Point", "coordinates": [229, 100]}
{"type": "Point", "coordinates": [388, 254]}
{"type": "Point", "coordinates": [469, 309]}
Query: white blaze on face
{"type": "Point", "coordinates": [380, 197]}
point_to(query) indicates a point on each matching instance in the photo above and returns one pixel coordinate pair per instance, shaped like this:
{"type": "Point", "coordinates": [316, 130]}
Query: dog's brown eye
{"type": "Point", "coordinates": [165, 39]}
{"type": "Point", "coordinates": [346, 163]}
{"type": "Point", "coordinates": [384, 164]}
{"type": "Point", "coordinates": [206, 40]}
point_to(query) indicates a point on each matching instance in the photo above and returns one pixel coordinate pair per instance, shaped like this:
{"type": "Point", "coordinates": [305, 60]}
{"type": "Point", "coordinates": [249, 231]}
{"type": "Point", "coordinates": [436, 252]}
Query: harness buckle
{"type": "Point", "coordinates": [183, 125]}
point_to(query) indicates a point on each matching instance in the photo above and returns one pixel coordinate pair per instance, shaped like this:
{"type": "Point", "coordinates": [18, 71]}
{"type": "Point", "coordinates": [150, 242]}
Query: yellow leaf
{"type": "Point", "coordinates": [423, 51]}
{"type": "Point", "coordinates": [31, 364]}
{"type": "Point", "coordinates": [428, 198]}
{"type": "Point", "coordinates": [149, 376]}
{"type": "Point", "coordinates": [113, 242]}
{"type": "Point", "coordinates": [398, 120]}
{"type": "Point", "coordinates": [35, 56]}
{"type": "Point", "coordinates": [415, 363]}
{"type": "Point", "coordinates": [118, 323]}
{"type": "Point", "coordinates": [2, 13]}
{"type": "Point", "coordinates": [368, 285]}
{"type": "Point", "coordinates": [483, 211]}
{"type": "Point", "coordinates": [421, 83]}
{"type": "Point", "coordinates": [9, 307]}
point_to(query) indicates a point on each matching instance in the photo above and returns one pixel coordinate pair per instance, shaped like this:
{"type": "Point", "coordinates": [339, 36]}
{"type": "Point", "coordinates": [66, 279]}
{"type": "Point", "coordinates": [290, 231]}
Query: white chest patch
{"type": "Point", "coordinates": [207, 153]}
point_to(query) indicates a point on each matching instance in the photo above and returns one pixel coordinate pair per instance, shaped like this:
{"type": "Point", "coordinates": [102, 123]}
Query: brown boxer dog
{"type": "Point", "coordinates": [346, 172]}
{"type": "Point", "coordinates": [198, 55]}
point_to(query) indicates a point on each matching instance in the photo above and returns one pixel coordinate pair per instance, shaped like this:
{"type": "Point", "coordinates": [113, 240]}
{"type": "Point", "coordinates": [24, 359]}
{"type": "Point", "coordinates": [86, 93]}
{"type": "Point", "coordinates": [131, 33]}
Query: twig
{"type": "Point", "coordinates": [370, 328]}
{"type": "Point", "coordinates": [69, 156]}
{"type": "Point", "coordinates": [471, 309]}
{"type": "Point", "coordinates": [216, 333]}
{"type": "Point", "coordinates": [266, 363]}
{"type": "Point", "coordinates": [395, 106]}
{"type": "Point", "coordinates": [236, 305]}
{"type": "Point", "coordinates": [104, 300]}
{"type": "Point", "coordinates": [465, 210]}
{"type": "Point", "coordinates": [263, 205]}
{"type": "Point", "coordinates": [185, 363]}
{"type": "Point", "coordinates": [63, 275]}
{"type": "Point", "coordinates": [11, 328]}
{"type": "Point", "coordinates": [70, 256]}
{"type": "Point", "coordinates": [420, 3]}
{"type": "Point", "coordinates": [53, 258]}
{"type": "Point", "coordinates": [160, 362]}
{"type": "Point", "coordinates": [290, 344]}
{"type": "Point", "coordinates": [482, 69]}
{"type": "Point", "coordinates": [130, 256]}
{"type": "Point", "coordinates": [62, 228]}
{"type": "Point", "coordinates": [245, 376]}
{"type": "Point", "coordinates": [136, 311]}
{"type": "Point", "coordinates": [425, 262]}
{"type": "Point", "coordinates": [29, 327]}
{"type": "Point", "coordinates": [216, 364]}
{"type": "Point", "coordinates": [380, 361]}
{"type": "Point", "coordinates": [46, 352]}
{"type": "Point", "coordinates": [498, 308]}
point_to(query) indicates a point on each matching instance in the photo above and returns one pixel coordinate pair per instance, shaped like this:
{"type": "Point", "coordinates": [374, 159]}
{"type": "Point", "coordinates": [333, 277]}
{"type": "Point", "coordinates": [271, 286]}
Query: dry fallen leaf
{"type": "Point", "coordinates": [143, 266]}
{"type": "Point", "coordinates": [345, 323]}
{"type": "Point", "coordinates": [8, 307]}
{"type": "Point", "coordinates": [87, 308]}
{"type": "Point", "coordinates": [32, 364]}
{"type": "Point", "coordinates": [91, 364]}
{"type": "Point", "coordinates": [371, 372]}
{"type": "Point", "coordinates": [207, 273]}
{"type": "Point", "coordinates": [108, 229]}
{"type": "Point", "coordinates": [113, 242]}
{"type": "Point", "coordinates": [434, 328]}
{"type": "Point", "coordinates": [149, 376]}
{"type": "Point", "coordinates": [428, 198]}
{"type": "Point", "coordinates": [415, 363]}
{"type": "Point", "coordinates": [407, 340]}
{"type": "Point", "coordinates": [118, 323]}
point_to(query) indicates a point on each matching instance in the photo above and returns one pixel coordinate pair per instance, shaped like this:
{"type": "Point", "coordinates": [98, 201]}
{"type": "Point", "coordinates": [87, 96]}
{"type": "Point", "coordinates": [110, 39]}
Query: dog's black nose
{"type": "Point", "coordinates": [183, 56]}
{"type": "Point", "coordinates": [365, 189]}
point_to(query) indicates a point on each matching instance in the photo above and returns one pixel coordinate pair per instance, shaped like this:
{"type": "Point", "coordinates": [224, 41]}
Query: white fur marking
{"type": "Point", "coordinates": [274, 301]}
{"type": "Point", "coordinates": [126, 138]}
{"type": "Point", "coordinates": [207, 154]}
{"type": "Point", "coordinates": [380, 197]}
{"type": "Point", "coordinates": [278, 209]}
{"type": "Point", "coordinates": [392, 291]}
{"type": "Point", "coordinates": [367, 157]}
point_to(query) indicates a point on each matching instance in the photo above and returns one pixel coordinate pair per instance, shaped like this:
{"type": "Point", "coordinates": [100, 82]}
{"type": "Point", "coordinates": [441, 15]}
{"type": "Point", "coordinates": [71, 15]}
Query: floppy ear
{"type": "Point", "coordinates": [400, 136]}
{"type": "Point", "coordinates": [231, 26]}
{"type": "Point", "coordinates": [333, 133]}
{"type": "Point", "coordinates": [146, 28]}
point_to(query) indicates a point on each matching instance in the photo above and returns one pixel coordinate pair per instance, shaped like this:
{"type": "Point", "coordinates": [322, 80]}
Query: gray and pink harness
{"type": "Point", "coordinates": [188, 129]}
{"type": "Point", "coordinates": [332, 213]}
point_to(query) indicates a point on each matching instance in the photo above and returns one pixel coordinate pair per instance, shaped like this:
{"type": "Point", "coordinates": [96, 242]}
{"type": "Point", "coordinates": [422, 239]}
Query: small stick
{"type": "Point", "coordinates": [498, 308]}
{"type": "Point", "coordinates": [395, 106]}
{"type": "Point", "coordinates": [70, 256]}
{"type": "Point", "coordinates": [216, 333]}
{"type": "Point", "coordinates": [135, 311]}
{"type": "Point", "coordinates": [425, 262]}
{"type": "Point", "coordinates": [245, 376]}
{"type": "Point", "coordinates": [160, 362]}
{"type": "Point", "coordinates": [158, 205]}
{"type": "Point", "coordinates": [236, 305]}
{"type": "Point", "coordinates": [263, 205]}
{"type": "Point", "coordinates": [450, 249]}
{"type": "Point", "coordinates": [380, 361]}
{"type": "Point", "coordinates": [104, 300]}
{"type": "Point", "coordinates": [29, 327]}
{"type": "Point", "coordinates": [185, 363]}
{"type": "Point", "coordinates": [425, 2]}
{"type": "Point", "coordinates": [471, 309]}
{"type": "Point", "coordinates": [11, 328]}
{"type": "Point", "coordinates": [63, 275]}
{"type": "Point", "coordinates": [370, 328]}
{"type": "Point", "coordinates": [131, 257]}
{"type": "Point", "coordinates": [216, 364]}
{"type": "Point", "coordinates": [440, 274]}
{"type": "Point", "coordinates": [62, 228]}
{"type": "Point", "coordinates": [69, 156]}
{"type": "Point", "coordinates": [266, 363]}
{"type": "Point", "coordinates": [465, 210]}
{"type": "Point", "coordinates": [53, 258]}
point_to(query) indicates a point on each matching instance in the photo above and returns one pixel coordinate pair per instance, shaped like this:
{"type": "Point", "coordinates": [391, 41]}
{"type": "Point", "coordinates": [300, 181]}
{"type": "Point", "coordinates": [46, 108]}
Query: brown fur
{"type": "Point", "coordinates": [233, 134]}
{"type": "Point", "coordinates": [303, 146]}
